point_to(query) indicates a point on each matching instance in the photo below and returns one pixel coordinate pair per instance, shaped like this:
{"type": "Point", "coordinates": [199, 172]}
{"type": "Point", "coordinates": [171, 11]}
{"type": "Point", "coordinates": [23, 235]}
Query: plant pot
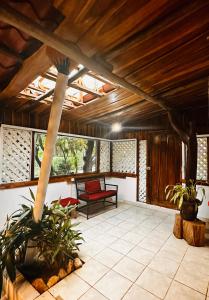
{"type": "Point", "coordinates": [189, 210]}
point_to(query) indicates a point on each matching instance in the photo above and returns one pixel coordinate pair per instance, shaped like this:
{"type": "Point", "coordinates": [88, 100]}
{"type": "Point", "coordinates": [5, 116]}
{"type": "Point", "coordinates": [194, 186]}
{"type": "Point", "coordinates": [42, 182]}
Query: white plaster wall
{"type": "Point", "coordinates": [126, 187]}
{"type": "Point", "coordinates": [204, 208]}
{"type": "Point", "coordinates": [12, 198]}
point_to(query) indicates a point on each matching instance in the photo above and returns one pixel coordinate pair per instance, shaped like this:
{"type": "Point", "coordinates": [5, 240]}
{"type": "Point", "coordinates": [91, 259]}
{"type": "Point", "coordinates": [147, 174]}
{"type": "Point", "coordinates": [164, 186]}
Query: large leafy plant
{"type": "Point", "coordinates": [54, 238]}
{"type": "Point", "coordinates": [179, 193]}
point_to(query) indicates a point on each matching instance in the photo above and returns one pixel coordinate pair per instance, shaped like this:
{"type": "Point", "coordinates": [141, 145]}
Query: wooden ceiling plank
{"type": "Point", "coordinates": [69, 49]}
{"type": "Point", "coordinates": [171, 32]}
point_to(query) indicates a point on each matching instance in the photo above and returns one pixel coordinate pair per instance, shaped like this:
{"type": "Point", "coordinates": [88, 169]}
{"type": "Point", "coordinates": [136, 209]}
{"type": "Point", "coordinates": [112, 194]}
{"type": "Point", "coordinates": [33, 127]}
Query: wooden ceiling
{"type": "Point", "coordinates": [160, 46]}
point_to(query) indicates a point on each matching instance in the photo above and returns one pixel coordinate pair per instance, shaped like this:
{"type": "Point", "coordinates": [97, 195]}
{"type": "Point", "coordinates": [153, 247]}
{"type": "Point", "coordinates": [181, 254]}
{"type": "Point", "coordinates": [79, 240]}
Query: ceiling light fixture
{"type": "Point", "coordinates": [116, 127]}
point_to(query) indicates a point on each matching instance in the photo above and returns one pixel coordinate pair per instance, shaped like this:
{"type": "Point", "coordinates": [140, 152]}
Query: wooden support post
{"type": "Point", "coordinates": [187, 133]}
{"type": "Point", "coordinates": [53, 127]}
{"type": "Point", "coordinates": [191, 158]}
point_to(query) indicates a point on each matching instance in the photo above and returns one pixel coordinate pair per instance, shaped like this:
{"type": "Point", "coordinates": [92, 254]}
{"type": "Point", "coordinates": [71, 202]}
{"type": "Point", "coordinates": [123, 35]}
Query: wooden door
{"type": "Point", "coordinates": [165, 163]}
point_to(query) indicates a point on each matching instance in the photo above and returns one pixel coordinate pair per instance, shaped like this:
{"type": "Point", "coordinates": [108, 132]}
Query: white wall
{"type": "Point", "coordinates": [126, 187]}
{"type": "Point", "coordinates": [12, 198]}
{"type": "Point", "coordinates": [204, 208]}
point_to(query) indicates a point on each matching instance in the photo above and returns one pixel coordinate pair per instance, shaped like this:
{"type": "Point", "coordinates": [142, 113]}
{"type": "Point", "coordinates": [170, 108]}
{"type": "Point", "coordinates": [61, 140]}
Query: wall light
{"type": "Point", "coordinates": [116, 127]}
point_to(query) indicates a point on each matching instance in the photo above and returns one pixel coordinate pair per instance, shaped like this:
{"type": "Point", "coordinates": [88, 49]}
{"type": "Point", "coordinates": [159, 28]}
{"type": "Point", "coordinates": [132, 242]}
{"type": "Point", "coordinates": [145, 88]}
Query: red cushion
{"type": "Point", "coordinates": [98, 196]}
{"type": "Point", "coordinates": [92, 186]}
{"type": "Point", "coordinates": [68, 201]}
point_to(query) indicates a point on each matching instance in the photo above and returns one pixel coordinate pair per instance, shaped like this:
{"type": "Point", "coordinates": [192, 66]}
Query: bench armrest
{"type": "Point", "coordinates": [115, 185]}
{"type": "Point", "coordinates": [79, 190]}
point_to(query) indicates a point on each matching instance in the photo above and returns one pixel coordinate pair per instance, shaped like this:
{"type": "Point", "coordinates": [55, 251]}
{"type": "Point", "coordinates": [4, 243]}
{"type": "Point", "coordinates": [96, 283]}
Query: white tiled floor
{"type": "Point", "coordinates": [131, 254]}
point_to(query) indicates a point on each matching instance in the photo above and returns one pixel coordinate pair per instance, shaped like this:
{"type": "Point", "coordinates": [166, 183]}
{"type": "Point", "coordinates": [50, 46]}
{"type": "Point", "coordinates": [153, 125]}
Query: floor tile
{"type": "Point", "coordinates": [92, 271]}
{"type": "Point", "coordinates": [202, 263]}
{"type": "Point", "coordinates": [92, 294]}
{"type": "Point", "coordinates": [106, 238]}
{"type": "Point", "coordinates": [151, 244]}
{"type": "Point", "coordinates": [164, 265]}
{"type": "Point", "coordinates": [122, 246]}
{"type": "Point", "coordinates": [141, 230]}
{"type": "Point", "coordinates": [178, 291]}
{"type": "Point", "coordinates": [113, 285]}
{"type": "Point", "coordinates": [172, 253]}
{"type": "Point", "coordinates": [129, 268]}
{"type": "Point", "coordinates": [154, 282]}
{"type": "Point", "coordinates": [108, 257]}
{"type": "Point", "coordinates": [71, 285]}
{"type": "Point", "coordinates": [45, 296]}
{"type": "Point", "coordinates": [137, 293]}
{"type": "Point", "coordinates": [141, 255]}
{"type": "Point", "coordinates": [118, 232]}
{"type": "Point", "coordinates": [92, 233]}
{"type": "Point", "coordinates": [133, 238]}
{"type": "Point", "coordinates": [126, 225]}
{"type": "Point", "coordinates": [91, 248]}
{"type": "Point", "coordinates": [114, 220]}
{"type": "Point", "coordinates": [192, 277]}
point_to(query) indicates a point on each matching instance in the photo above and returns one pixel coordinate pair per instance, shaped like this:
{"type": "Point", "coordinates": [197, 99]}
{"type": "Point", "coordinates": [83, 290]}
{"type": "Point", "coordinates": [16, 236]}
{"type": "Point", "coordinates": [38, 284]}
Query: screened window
{"type": "Point", "coordinates": [202, 159]}
{"type": "Point", "coordinates": [72, 155]}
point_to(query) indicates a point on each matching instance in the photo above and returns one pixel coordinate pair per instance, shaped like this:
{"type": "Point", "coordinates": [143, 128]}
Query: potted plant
{"type": "Point", "coordinates": [54, 239]}
{"type": "Point", "coordinates": [185, 197]}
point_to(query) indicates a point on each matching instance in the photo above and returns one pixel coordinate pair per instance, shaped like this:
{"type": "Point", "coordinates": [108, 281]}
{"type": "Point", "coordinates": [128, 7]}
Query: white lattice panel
{"type": "Point", "coordinates": [202, 158]}
{"type": "Point", "coordinates": [16, 154]}
{"type": "Point", "coordinates": [124, 156]}
{"type": "Point", "coordinates": [142, 170]}
{"type": "Point", "coordinates": [104, 156]}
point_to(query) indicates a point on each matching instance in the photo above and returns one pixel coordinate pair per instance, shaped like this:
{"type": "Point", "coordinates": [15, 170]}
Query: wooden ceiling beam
{"type": "Point", "coordinates": [85, 89]}
{"type": "Point", "coordinates": [8, 52]}
{"type": "Point", "coordinates": [70, 49]}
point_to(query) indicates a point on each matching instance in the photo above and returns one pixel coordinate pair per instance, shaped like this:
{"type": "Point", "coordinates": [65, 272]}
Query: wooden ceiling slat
{"type": "Point", "coordinates": [161, 46]}
{"type": "Point", "coordinates": [173, 31]}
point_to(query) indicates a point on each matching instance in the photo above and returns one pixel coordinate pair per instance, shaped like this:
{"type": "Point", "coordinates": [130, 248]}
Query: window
{"type": "Point", "coordinates": [202, 158]}
{"type": "Point", "coordinates": [72, 155]}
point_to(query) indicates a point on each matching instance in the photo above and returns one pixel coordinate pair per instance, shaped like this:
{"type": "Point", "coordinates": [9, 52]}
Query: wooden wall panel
{"type": "Point", "coordinates": [40, 122]}
{"type": "Point", "coordinates": [165, 160]}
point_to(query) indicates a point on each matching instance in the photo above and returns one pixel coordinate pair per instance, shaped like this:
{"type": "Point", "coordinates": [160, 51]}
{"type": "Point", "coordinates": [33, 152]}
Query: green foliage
{"type": "Point", "coordinates": [179, 193]}
{"type": "Point", "coordinates": [69, 155]}
{"type": "Point", "coordinates": [54, 238]}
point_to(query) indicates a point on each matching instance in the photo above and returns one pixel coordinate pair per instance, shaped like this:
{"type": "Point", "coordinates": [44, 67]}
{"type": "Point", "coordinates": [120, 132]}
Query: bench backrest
{"type": "Point", "coordinates": [89, 185]}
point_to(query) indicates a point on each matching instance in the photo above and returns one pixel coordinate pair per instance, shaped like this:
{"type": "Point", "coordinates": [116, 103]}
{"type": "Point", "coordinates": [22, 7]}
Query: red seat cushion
{"type": "Point", "coordinates": [68, 201]}
{"type": "Point", "coordinates": [98, 196]}
{"type": "Point", "coordinates": [92, 186]}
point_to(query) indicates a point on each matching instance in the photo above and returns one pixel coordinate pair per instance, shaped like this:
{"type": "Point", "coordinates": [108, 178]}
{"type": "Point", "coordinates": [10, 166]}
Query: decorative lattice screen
{"type": "Point", "coordinates": [124, 156]}
{"type": "Point", "coordinates": [142, 170]}
{"type": "Point", "coordinates": [16, 154]}
{"type": "Point", "coordinates": [104, 156]}
{"type": "Point", "coordinates": [202, 158]}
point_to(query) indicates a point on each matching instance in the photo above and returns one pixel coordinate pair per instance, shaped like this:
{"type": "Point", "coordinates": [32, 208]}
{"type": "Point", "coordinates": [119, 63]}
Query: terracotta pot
{"type": "Point", "coordinates": [189, 210]}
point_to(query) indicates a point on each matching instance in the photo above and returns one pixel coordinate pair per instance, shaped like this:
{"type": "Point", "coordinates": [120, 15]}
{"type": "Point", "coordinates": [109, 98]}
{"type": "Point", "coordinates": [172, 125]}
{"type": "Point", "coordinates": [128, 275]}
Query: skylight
{"type": "Point", "coordinates": [81, 91]}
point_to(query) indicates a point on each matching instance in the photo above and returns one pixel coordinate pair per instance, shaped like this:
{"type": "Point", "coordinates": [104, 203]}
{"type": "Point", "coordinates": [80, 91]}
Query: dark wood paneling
{"type": "Point", "coordinates": [165, 166]}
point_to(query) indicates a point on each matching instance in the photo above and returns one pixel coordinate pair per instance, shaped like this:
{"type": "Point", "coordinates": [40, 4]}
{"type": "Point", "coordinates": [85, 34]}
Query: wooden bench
{"type": "Point", "coordinates": [95, 190]}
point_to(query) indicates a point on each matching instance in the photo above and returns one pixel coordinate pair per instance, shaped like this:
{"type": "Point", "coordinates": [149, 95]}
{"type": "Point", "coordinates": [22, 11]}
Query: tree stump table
{"type": "Point", "coordinates": [192, 231]}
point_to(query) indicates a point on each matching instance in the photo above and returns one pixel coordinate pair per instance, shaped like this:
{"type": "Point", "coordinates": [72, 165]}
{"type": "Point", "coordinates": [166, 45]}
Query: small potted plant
{"type": "Point", "coordinates": [185, 197]}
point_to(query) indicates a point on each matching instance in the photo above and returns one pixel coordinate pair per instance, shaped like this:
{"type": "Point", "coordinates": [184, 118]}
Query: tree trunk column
{"type": "Point", "coordinates": [53, 127]}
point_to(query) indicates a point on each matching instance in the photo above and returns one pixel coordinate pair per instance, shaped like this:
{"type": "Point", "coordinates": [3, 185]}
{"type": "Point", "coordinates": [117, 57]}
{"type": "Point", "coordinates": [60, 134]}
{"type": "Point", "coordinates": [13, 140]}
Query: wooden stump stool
{"type": "Point", "coordinates": [192, 231]}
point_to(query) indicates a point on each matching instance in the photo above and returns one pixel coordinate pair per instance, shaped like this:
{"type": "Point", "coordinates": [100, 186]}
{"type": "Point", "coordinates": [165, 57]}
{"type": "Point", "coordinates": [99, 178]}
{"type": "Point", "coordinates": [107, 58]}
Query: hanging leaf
{"type": "Point", "coordinates": [1, 281]}
{"type": "Point", "coordinates": [32, 194]}
{"type": "Point", "coordinates": [10, 267]}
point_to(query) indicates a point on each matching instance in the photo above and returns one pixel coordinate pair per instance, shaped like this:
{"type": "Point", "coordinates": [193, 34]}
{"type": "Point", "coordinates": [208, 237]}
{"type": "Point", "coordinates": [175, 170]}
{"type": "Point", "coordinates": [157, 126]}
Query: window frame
{"type": "Point", "coordinates": [97, 150]}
